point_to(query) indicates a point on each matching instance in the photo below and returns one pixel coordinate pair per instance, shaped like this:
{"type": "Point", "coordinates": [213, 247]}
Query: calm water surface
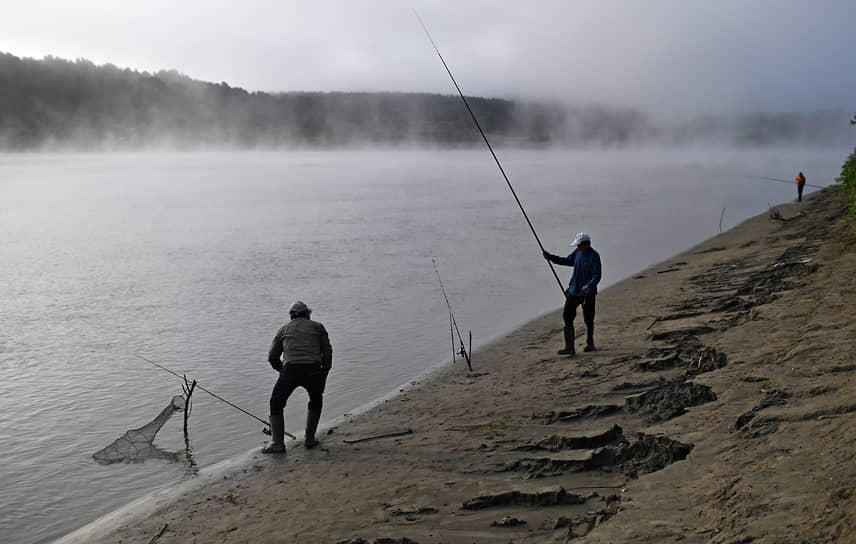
{"type": "Point", "coordinates": [192, 260]}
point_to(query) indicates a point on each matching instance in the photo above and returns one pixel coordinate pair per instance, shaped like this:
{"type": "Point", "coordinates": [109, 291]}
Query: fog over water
{"type": "Point", "coordinates": [192, 259]}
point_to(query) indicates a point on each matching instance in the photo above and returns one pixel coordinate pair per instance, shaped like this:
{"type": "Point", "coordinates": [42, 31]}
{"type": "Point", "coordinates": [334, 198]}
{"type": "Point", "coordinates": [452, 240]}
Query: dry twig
{"type": "Point", "coordinates": [390, 435]}
{"type": "Point", "coordinates": [157, 536]}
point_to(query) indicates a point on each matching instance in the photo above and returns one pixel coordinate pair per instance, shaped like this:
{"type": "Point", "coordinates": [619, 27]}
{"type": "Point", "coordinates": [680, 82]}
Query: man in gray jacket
{"type": "Point", "coordinates": [302, 355]}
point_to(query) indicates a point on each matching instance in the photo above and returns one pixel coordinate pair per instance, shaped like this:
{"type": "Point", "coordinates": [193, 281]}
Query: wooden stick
{"type": "Point", "coordinates": [390, 435]}
{"type": "Point", "coordinates": [653, 323]}
{"type": "Point", "coordinates": [188, 388]}
{"type": "Point", "coordinates": [157, 536]}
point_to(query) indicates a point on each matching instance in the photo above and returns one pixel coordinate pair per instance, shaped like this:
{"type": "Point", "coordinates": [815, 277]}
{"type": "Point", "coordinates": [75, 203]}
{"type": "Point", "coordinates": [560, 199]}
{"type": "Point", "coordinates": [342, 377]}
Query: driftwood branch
{"type": "Point", "coordinates": [389, 435]}
{"type": "Point", "coordinates": [653, 323]}
{"type": "Point", "coordinates": [157, 536]}
{"type": "Point", "coordinates": [188, 388]}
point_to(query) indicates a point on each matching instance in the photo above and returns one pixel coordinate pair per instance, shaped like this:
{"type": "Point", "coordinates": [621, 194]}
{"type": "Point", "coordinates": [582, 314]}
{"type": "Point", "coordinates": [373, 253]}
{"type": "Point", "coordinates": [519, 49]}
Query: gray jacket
{"type": "Point", "coordinates": [302, 342]}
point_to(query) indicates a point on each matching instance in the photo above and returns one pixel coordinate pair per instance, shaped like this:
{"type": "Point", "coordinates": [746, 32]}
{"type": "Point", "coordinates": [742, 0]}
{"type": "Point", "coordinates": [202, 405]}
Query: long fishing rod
{"type": "Point", "coordinates": [490, 148]}
{"type": "Point", "coordinates": [463, 351]}
{"type": "Point", "coordinates": [215, 395]}
{"type": "Point", "coordinates": [787, 181]}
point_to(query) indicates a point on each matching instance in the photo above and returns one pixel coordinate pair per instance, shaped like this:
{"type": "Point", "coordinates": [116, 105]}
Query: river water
{"type": "Point", "coordinates": [191, 260]}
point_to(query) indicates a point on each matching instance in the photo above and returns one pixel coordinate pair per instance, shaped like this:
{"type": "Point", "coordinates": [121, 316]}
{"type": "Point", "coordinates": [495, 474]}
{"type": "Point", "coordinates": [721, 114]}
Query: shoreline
{"type": "Point", "coordinates": [231, 467]}
{"type": "Point", "coordinates": [468, 429]}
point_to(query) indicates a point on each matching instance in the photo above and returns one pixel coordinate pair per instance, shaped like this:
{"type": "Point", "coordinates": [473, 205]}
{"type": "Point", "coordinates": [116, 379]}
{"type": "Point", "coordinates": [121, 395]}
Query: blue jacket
{"type": "Point", "coordinates": [586, 270]}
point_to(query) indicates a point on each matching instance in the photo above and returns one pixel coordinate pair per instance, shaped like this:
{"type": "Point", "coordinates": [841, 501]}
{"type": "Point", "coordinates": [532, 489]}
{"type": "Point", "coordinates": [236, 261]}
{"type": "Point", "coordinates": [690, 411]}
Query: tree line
{"type": "Point", "coordinates": [57, 103]}
{"type": "Point", "coordinates": [847, 183]}
{"type": "Point", "coordinates": [53, 101]}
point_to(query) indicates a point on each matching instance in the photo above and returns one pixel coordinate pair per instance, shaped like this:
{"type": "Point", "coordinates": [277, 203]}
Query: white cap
{"type": "Point", "coordinates": [580, 238]}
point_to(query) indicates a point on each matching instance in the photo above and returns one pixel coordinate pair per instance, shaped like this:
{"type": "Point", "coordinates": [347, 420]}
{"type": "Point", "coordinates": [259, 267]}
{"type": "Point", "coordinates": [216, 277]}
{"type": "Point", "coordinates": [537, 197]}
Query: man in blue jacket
{"type": "Point", "coordinates": [581, 291]}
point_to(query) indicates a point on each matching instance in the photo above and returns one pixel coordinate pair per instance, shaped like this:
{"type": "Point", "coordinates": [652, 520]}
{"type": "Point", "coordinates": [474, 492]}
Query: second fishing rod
{"type": "Point", "coordinates": [463, 351]}
{"type": "Point", "coordinates": [780, 180]}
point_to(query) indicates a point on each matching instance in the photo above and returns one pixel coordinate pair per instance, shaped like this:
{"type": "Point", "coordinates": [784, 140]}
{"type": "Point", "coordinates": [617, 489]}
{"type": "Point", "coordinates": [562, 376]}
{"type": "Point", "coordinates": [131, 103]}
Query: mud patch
{"type": "Point", "coordinates": [644, 454]}
{"type": "Point", "coordinates": [580, 526]}
{"type": "Point", "coordinates": [558, 443]}
{"type": "Point", "coordinates": [818, 390]}
{"type": "Point", "coordinates": [744, 286]}
{"type": "Point", "coordinates": [706, 359]}
{"type": "Point", "coordinates": [508, 521]}
{"type": "Point", "coordinates": [548, 497]}
{"type": "Point", "coordinates": [592, 410]}
{"type": "Point", "coordinates": [732, 305]}
{"type": "Point", "coordinates": [668, 401]}
{"type": "Point", "coordinates": [746, 417]}
{"type": "Point", "coordinates": [650, 453]}
{"type": "Point", "coordinates": [628, 386]}
{"type": "Point", "coordinates": [784, 275]}
{"type": "Point", "coordinates": [689, 353]}
{"type": "Point", "coordinates": [667, 360]}
{"type": "Point", "coordinates": [680, 335]}
{"type": "Point", "coordinates": [626, 359]}
{"type": "Point", "coordinates": [680, 315]}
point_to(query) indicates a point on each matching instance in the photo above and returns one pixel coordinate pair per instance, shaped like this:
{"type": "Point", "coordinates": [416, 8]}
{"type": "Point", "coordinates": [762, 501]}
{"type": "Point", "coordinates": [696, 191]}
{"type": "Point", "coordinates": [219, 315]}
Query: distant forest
{"type": "Point", "coordinates": [59, 104]}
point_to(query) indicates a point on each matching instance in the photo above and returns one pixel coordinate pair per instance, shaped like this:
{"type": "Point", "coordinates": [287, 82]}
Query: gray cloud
{"type": "Point", "coordinates": [663, 56]}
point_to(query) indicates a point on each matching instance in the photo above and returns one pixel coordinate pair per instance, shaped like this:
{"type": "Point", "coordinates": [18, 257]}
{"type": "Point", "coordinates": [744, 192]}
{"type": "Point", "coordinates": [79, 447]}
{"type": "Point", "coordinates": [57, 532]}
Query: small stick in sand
{"type": "Point", "coordinates": [390, 435]}
{"type": "Point", "coordinates": [187, 388]}
{"type": "Point", "coordinates": [157, 536]}
{"type": "Point", "coordinates": [648, 328]}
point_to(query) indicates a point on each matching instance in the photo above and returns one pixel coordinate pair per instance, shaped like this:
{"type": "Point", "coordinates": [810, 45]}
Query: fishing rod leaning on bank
{"type": "Point", "coordinates": [463, 352]}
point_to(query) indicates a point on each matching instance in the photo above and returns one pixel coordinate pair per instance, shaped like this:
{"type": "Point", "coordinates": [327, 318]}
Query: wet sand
{"type": "Point", "coordinates": [718, 408]}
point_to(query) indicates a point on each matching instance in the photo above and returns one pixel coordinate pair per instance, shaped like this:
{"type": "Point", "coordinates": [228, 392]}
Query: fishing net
{"type": "Point", "coordinates": [136, 445]}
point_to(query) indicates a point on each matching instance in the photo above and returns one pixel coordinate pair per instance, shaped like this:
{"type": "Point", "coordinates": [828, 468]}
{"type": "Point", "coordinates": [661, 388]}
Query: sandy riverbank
{"type": "Point", "coordinates": [718, 408]}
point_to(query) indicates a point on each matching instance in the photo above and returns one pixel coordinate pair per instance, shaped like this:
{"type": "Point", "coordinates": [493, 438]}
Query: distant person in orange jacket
{"type": "Point", "coordinates": [800, 179]}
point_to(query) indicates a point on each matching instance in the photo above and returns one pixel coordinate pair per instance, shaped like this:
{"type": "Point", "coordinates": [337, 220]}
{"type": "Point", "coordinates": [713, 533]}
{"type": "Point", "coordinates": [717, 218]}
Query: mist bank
{"type": "Point", "coordinates": [54, 103]}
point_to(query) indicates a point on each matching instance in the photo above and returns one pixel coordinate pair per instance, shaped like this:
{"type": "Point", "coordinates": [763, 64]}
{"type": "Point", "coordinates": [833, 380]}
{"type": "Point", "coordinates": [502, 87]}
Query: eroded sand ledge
{"type": "Point", "coordinates": [717, 409]}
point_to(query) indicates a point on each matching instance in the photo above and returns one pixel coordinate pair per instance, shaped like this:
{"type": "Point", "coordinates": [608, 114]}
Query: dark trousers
{"type": "Point", "coordinates": [311, 377]}
{"type": "Point", "coordinates": [799, 191]}
{"type": "Point", "coordinates": [570, 312]}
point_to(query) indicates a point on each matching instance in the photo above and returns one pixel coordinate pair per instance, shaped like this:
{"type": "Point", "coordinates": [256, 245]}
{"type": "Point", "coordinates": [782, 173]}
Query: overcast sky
{"type": "Point", "coordinates": [662, 56]}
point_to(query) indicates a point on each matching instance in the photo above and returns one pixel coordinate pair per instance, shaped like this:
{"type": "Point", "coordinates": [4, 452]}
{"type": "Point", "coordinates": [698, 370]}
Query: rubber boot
{"type": "Point", "coordinates": [277, 434]}
{"type": "Point", "coordinates": [569, 343]}
{"type": "Point", "coordinates": [312, 417]}
{"type": "Point", "coordinates": [589, 338]}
